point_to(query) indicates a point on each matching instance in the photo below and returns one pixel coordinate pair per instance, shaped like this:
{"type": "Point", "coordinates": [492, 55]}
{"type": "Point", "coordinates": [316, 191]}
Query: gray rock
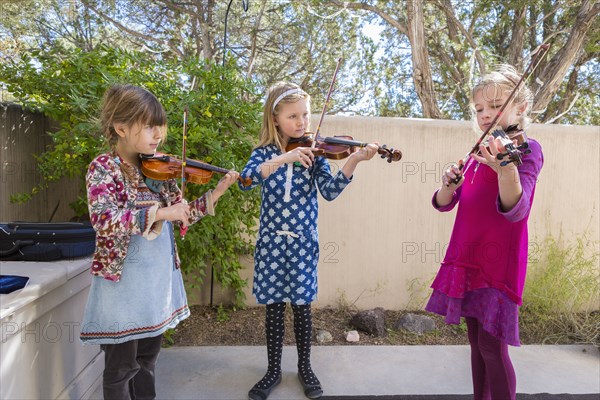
{"type": "Point", "coordinates": [370, 321]}
{"type": "Point", "coordinates": [418, 324]}
{"type": "Point", "coordinates": [323, 336]}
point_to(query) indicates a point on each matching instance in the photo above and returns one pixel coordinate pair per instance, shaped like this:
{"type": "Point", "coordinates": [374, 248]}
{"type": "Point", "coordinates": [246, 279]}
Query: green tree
{"type": "Point", "coordinates": [431, 52]}
{"type": "Point", "coordinates": [461, 40]}
{"type": "Point", "coordinates": [271, 41]}
{"type": "Point", "coordinates": [426, 59]}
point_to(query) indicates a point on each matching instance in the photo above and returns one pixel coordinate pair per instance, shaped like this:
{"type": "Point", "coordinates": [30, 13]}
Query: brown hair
{"type": "Point", "coordinates": [128, 104]}
{"type": "Point", "coordinates": [505, 78]}
{"type": "Point", "coordinates": [268, 132]}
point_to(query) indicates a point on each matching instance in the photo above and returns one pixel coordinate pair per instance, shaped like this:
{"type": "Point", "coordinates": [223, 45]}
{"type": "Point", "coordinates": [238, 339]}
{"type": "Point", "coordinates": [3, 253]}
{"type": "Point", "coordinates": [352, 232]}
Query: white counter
{"type": "Point", "coordinates": [40, 351]}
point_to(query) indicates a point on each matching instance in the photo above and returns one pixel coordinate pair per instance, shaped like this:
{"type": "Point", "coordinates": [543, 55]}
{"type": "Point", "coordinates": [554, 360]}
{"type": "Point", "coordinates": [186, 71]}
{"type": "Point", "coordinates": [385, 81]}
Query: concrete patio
{"type": "Point", "coordinates": [227, 373]}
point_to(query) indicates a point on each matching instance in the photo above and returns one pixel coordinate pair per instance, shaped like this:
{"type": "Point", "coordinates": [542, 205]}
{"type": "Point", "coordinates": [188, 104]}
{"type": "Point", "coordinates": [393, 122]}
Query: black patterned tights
{"type": "Point", "coordinates": [275, 330]}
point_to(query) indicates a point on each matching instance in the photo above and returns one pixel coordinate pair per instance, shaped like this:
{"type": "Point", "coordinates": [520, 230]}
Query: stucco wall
{"type": "Point", "coordinates": [381, 240]}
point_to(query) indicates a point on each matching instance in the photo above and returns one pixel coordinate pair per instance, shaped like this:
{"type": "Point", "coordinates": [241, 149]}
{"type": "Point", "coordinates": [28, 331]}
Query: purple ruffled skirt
{"type": "Point", "coordinates": [459, 292]}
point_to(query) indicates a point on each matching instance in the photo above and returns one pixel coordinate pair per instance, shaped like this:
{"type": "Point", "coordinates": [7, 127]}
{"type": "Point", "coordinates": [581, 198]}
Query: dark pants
{"type": "Point", "coordinates": [493, 372]}
{"type": "Point", "coordinates": [129, 369]}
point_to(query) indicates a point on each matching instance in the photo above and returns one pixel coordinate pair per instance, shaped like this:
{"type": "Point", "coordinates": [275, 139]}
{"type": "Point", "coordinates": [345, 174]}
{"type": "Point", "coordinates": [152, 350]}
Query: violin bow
{"type": "Point", "coordinates": [536, 59]}
{"type": "Point", "coordinates": [337, 68]}
{"type": "Point", "coordinates": [183, 229]}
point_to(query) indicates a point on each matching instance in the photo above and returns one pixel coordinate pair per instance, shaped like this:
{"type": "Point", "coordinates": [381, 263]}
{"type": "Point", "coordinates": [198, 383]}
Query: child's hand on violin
{"type": "Point", "coordinates": [366, 153]}
{"type": "Point", "coordinates": [449, 181]}
{"type": "Point", "coordinates": [227, 180]}
{"type": "Point", "coordinates": [487, 155]}
{"type": "Point", "coordinates": [177, 212]}
{"type": "Point", "coordinates": [303, 155]}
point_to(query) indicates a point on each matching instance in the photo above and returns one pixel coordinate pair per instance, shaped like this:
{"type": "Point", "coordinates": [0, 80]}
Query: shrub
{"type": "Point", "coordinates": [67, 85]}
{"type": "Point", "coordinates": [562, 293]}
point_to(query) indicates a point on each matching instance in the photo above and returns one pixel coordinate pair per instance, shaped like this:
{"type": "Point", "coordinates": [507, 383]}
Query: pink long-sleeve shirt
{"type": "Point", "coordinates": [489, 242]}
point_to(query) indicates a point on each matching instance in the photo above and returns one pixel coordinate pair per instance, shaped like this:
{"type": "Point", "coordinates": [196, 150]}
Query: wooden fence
{"type": "Point", "coordinates": [23, 135]}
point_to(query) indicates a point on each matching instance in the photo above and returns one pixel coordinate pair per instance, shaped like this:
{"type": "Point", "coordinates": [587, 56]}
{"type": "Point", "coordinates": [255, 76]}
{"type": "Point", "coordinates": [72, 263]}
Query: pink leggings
{"type": "Point", "coordinates": [493, 373]}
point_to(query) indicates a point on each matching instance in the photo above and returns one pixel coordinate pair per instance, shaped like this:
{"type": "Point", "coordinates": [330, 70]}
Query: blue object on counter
{"type": "Point", "coordinates": [10, 283]}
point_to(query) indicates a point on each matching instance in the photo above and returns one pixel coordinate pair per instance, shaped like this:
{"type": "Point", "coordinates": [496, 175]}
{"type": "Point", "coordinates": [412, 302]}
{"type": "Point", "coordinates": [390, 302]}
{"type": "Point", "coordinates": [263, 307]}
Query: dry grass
{"type": "Point", "coordinates": [210, 327]}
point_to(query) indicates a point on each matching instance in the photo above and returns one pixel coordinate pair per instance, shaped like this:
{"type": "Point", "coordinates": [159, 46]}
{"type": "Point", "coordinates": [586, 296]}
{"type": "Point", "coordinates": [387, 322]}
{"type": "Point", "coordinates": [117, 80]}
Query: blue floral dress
{"type": "Point", "coordinates": [287, 248]}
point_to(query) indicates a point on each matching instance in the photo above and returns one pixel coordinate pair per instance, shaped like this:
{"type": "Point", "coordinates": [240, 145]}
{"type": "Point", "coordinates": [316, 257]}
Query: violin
{"type": "Point", "coordinates": [514, 153]}
{"type": "Point", "coordinates": [164, 166]}
{"type": "Point", "coordinates": [338, 147]}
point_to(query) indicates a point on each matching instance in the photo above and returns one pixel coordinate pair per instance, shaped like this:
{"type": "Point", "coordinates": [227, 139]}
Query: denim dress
{"type": "Point", "coordinates": [149, 298]}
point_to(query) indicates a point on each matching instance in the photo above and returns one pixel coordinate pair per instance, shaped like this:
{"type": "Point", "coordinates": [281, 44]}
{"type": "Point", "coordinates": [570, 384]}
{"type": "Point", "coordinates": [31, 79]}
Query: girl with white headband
{"type": "Point", "coordinates": [287, 249]}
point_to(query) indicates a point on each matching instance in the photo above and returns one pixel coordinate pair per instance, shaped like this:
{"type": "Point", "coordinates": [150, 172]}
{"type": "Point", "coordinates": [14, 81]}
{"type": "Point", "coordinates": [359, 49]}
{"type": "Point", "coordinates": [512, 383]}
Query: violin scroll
{"type": "Point", "coordinates": [389, 154]}
{"type": "Point", "coordinates": [513, 152]}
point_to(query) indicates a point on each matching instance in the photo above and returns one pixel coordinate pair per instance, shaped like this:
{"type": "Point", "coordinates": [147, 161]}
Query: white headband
{"type": "Point", "coordinates": [286, 94]}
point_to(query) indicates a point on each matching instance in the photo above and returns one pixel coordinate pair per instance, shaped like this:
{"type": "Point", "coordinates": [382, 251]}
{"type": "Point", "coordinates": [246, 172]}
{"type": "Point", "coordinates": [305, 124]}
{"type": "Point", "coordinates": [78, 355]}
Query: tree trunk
{"type": "Point", "coordinates": [255, 38]}
{"type": "Point", "coordinates": [205, 9]}
{"type": "Point", "coordinates": [420, 57]}
{"type": "Point", "coordinates": [556, 70]}
{"type": "Point", "coordinates": [455, 25]}
{"type": "Point", "coordinates": [517, 38]}
{"type": "Point", "coordinates": [570, 91]}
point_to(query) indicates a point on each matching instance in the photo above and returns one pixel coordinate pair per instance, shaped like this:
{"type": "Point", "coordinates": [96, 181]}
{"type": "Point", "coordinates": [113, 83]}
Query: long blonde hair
{"type": "Point", "coordinates": [505, 78]}
{"type": "Point", "coordinates": [268, 132]}
{"type": "Point", "coordinates": [128, 104]}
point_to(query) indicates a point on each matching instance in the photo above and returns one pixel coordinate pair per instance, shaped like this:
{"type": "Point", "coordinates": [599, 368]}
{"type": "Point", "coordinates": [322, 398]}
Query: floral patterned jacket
{"type": "Point", "coordinates": [116, 214]}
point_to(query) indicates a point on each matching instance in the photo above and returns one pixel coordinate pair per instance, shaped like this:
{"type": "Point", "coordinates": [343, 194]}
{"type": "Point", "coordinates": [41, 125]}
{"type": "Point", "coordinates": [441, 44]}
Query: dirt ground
{"type": "Point", "coordinates": [207, 327]}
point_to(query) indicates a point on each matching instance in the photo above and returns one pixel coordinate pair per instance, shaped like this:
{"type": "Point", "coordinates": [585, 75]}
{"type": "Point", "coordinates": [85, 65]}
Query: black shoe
{"type": "Point", "coordinates": [262, 394]}
{"type": "Point", "coordinates": [311, 391]}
